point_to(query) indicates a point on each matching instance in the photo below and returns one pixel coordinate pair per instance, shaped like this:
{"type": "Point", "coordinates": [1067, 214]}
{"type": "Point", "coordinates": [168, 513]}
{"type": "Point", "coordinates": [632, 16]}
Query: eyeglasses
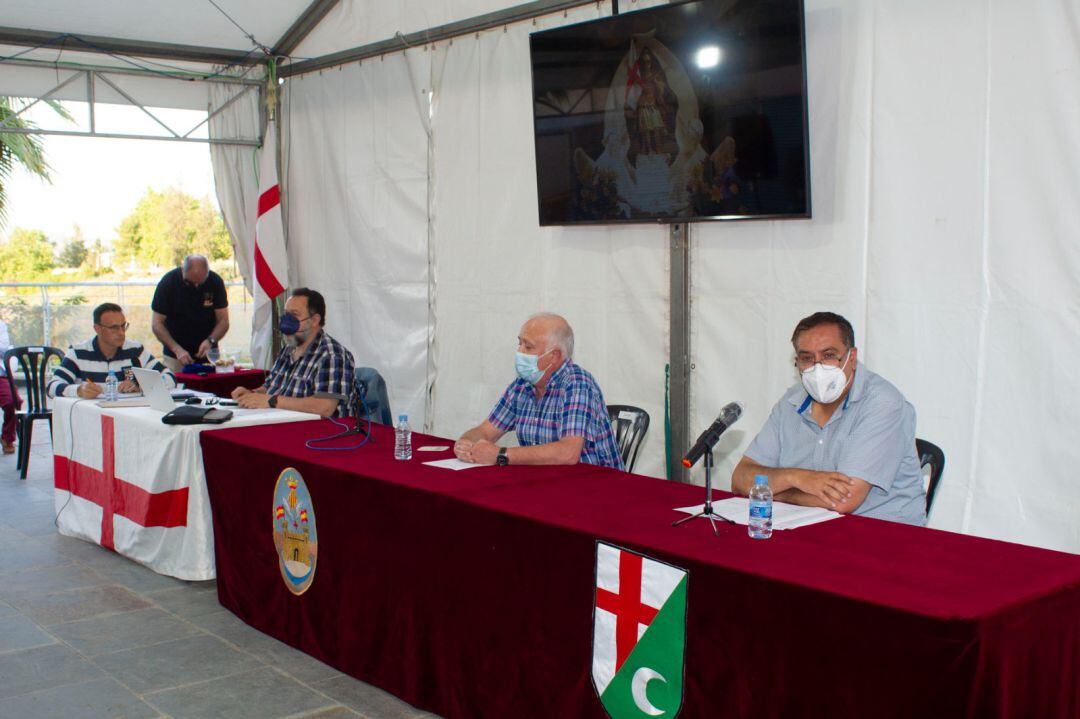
{"type": "Point", "coordinates": [115, 327]}
{"type": "Point", "coordinates": [806, 360]}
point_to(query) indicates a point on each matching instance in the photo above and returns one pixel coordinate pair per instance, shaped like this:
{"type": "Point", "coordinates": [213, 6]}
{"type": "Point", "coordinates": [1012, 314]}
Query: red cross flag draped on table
{"type": "Point", "coordinates": [271, 263]}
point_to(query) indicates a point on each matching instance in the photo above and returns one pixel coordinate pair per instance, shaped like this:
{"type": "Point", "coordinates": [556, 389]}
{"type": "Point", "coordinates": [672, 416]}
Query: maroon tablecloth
{"type": "Point", "coordinates": [470, 593]}
{"type": "Point", "coordinates": [222, 383]}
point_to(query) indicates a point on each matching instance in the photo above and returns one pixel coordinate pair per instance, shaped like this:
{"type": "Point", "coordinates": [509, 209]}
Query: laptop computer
{"type": "Point", "coordinates": [155, 394]}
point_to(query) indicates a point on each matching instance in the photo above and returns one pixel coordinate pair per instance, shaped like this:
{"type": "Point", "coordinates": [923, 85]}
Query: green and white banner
{"type": "Point", "coordinates": [639, 634]}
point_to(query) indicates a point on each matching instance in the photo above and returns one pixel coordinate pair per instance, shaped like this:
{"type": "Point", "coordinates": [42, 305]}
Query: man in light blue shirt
{"type": "Point", "coordinates": [843, 438]}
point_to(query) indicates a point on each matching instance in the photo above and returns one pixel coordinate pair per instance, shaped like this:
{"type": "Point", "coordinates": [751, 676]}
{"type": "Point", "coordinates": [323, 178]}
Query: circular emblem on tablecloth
{"type": "Point", "coordinates": [295, 537]}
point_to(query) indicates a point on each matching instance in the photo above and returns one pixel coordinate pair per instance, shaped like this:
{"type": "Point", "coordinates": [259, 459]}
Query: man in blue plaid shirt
{"type": "Point", "coordinates": [314, 372]}
{"type": "Point", "coordinates": [555, 407]}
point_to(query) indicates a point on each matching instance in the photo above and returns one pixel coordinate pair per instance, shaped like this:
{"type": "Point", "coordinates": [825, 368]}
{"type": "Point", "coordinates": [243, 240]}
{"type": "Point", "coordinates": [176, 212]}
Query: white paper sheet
{"type": "Point", "coordinates": [453, 463]}
{"type": "Point", "coordinates": [785, 516]}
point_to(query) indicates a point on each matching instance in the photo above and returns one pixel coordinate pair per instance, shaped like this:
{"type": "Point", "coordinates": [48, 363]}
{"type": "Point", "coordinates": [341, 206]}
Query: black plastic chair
{"type": "Point", "coordinates": [33, 362]}
{"type": "Point", "coordinates": [930, 454]}
{"type": "Point", "coordinates": [629, 431]}
{"type": "Point", "coordinates": [373, 389]}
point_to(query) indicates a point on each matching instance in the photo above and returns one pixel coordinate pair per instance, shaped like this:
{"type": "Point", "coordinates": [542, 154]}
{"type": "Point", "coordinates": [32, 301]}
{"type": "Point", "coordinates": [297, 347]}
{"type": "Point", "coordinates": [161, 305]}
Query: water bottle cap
{"type": "Point", "coordinates": [761, 479]}
{"type": "Point", "coordinates": [403, 418]}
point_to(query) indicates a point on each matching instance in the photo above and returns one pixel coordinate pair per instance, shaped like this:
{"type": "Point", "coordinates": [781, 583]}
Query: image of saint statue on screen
{"type": "Point", "coordinates": [653, 162]}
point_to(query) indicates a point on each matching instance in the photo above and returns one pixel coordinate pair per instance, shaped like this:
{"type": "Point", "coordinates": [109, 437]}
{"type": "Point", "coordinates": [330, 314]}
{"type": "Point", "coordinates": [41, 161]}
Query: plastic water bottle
{"type": "Point", "coordinates": [760, 526]}
{"type": "Point", "coordinates": [112, 387]}
{"type": "Point", "coordinates": [402, 438]}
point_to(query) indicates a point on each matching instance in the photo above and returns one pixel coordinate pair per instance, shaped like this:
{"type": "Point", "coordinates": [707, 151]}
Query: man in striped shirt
{"type": "Point", "coordinates": [85, 366]}
{"type": "Point", "coordinates": [555, 407]}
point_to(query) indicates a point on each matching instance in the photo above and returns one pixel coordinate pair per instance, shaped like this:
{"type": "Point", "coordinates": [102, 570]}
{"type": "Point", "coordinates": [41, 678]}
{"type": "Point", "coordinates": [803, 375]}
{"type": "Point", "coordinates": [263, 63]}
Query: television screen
{"type": "Point", "coordinates": [681, 112]}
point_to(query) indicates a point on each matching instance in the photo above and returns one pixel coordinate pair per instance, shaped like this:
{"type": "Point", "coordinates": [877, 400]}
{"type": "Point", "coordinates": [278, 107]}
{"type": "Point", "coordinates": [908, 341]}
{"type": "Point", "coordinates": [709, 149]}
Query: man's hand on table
{"type": "Point", "coordinates": [832, 487]}
{"type": "Point", "coordinates": [240, 392]}
{"type": "Point", "coordinates": [479, 452]}
{"type": "Point", "coordinates": [127, 386]}
{"type": "Point", "coordinates": [252, 400]}
{"type": "Point", "coordinates": [89, 389]}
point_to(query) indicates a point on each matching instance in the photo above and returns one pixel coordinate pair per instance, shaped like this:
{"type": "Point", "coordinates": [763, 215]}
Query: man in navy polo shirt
{"type": "Point", "coordinates": [190, 312]}
{"type": "Point", "coordinates": [85, 367]}
{"type": "Point", "coordinates": [555, 407]}
{"type": "Point", "coordinates": [843, 438]}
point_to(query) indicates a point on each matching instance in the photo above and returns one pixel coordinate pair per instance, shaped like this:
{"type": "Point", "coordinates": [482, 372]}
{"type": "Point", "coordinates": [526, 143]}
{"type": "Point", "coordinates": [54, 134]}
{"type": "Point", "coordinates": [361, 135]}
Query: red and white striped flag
{"type": "Point", "coordinates": [271, 263]}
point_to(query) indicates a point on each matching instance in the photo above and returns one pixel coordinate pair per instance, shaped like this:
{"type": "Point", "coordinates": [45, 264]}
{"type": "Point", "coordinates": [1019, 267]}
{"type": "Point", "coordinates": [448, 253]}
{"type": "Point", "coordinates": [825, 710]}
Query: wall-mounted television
{"type": "Point", "coordinates": [682, 112]}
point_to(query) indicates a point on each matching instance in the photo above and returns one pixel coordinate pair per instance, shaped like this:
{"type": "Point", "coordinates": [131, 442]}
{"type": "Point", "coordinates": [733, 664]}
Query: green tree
{"type": "Point", "coordinates": [75, 251]}
{"type": "Point", "coordinates": [20, 149]}
{"type": "Point", "coordinates": [26, 256]}
{"type": "Point", "coordinates": [167, 225]}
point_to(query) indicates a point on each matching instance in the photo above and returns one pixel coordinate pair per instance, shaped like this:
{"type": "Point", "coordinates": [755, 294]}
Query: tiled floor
{"type": "Point", "coordinates": [86, 633]}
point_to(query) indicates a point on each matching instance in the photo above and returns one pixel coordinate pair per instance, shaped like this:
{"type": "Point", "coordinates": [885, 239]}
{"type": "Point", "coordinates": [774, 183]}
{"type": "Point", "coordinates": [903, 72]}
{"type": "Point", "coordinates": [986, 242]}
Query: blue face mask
{"type": "Point", "coordinates": [289, 325]}
{"type": "Point", "coordinates": [526, 366]}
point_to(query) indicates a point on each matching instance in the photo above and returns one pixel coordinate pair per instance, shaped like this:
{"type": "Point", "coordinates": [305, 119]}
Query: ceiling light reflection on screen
{"type": "Point", "coordinates": [708, 57]}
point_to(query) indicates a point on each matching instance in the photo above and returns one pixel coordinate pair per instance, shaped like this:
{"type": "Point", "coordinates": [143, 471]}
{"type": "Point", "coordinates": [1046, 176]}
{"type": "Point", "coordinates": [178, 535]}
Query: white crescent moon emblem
{"type": "Point", "coordinates": [639, 684]}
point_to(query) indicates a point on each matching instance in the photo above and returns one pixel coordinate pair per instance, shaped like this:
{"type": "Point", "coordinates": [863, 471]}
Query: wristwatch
{"type": "Point", "coordinates": [212, 341]}
{"type": "Point", "coordinates": [503, 458]}
{"type": "Point", "coordinates": [272, 402]}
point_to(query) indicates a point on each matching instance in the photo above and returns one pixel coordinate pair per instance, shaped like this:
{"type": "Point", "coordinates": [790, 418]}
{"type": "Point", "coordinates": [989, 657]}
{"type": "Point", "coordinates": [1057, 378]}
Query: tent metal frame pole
{"type": "Point", "coordinates": [123, 136]}
{"type": "Point", "coordinates": [121, 46]}
{"type": "Point", "coordinates": [133, 72]}
{"type": "Point", "coordinates": [302, 26]}
{"type": "Point", "coordinates": [515, 14]}
{"type": "Point", "coordinates": [679, 347]}
{"type": "Point", "coordinates": [91, 78]}
{"type": "Point", "coordinates": [60, 86]}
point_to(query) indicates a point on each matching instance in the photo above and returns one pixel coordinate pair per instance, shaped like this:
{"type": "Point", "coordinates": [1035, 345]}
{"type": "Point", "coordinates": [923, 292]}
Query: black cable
{"type": "Point", "coordinates": [247, 34]}
{"type": "Point", "coordinates": [310, 444]}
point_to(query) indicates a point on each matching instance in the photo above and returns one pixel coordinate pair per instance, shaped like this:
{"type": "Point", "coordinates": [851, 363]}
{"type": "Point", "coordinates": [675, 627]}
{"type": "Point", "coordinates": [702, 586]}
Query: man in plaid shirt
{"type": "Point", "coordinates": [314, 372]}
{"type": "Point", "coordinates": [555, 407]}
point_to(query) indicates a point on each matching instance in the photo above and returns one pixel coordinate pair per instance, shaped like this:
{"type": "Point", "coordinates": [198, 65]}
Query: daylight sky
{"type": "Point", "coordinates": [97, 182]}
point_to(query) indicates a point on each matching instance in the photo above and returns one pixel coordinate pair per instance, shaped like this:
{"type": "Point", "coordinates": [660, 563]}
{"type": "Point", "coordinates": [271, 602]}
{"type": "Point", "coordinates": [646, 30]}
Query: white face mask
{"type": "Point", "coordinates": [825, 384]}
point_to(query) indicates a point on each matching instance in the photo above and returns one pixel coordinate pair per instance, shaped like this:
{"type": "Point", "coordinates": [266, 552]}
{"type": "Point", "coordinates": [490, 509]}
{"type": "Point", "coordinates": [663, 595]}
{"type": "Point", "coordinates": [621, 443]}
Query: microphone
{"type": "Point", "coordinates": [708, 439]}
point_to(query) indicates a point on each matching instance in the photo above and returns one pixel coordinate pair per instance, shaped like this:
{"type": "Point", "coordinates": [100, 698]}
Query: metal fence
{"type": "Point", "coordinates": [61, 313]}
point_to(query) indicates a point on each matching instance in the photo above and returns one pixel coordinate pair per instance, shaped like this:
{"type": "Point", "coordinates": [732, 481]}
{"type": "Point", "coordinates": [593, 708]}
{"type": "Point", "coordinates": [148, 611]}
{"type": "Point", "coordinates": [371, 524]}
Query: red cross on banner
{"type": "Point", "coordinates": [114, 495]}
{"type": "Point", "coordinates": [627, 607]}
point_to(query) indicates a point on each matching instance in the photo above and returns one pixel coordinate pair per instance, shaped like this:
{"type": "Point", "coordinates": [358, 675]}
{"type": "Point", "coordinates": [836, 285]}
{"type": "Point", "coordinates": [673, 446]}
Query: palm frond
{"type": "Point", "coordinates": [24, 149]}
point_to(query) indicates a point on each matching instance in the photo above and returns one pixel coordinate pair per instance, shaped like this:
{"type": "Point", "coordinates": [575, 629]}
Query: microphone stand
{"type": "Point", "coordinates": [707, 511]}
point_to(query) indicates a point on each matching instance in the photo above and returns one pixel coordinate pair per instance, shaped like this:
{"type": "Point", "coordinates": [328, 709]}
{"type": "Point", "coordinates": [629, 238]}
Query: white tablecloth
{"type": "Point", "coordinates": [135, 485]}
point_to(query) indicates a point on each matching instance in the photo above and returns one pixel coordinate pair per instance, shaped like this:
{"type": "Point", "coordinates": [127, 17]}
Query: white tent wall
{"type": "Point", "coordinates": [236, 169]}
{"type": "Point", "coordinates": [356, 168]}
{"type": "Point", "coordinates": [352, 23]}
{"type": "Point", "coordinates": [495, 266]}
{"type": "Point", "coordinates": [943, 158]}
{"type": "Point", "coordinates": [943, 228]}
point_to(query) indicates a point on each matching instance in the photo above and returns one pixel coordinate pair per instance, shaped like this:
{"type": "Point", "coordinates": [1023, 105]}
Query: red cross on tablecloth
{"type": "Point", "coordinates": [117, 497]}
{"type": "Point", "coordinates": [627, 607]}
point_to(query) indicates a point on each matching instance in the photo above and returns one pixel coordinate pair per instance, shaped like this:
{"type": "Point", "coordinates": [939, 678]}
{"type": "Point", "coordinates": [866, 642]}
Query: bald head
{"type": "Point", "coordinates": [551, 332]}
{"type": "Point", "coordinates": [196, 269]}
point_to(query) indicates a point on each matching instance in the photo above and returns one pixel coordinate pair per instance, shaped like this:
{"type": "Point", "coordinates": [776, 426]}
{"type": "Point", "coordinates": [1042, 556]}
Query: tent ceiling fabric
{"type": "Point", "coordinates": [163, 21]}
{"type": "Point", "coordinates": [359, 22]}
